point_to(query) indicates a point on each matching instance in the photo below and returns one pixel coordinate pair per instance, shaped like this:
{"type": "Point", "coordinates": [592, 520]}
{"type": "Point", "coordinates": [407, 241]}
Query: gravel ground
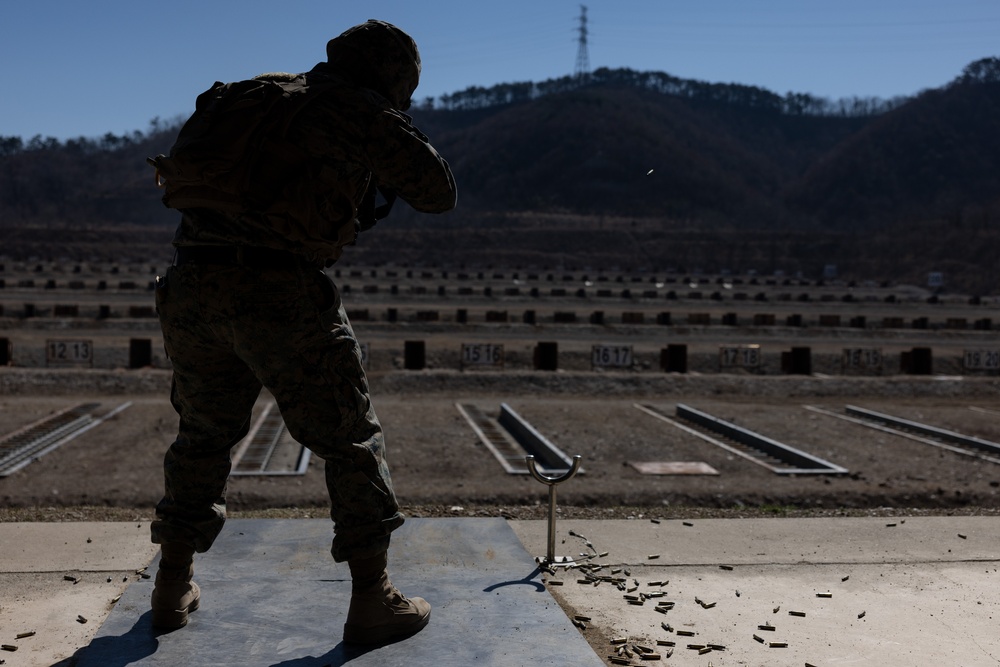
{"type": "Point", "coordinates": [440, 468]}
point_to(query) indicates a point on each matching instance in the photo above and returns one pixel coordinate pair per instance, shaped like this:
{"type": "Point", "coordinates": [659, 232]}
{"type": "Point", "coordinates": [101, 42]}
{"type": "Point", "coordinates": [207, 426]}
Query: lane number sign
{"type": "Point", "coordinates": [69, 353]}
{"type": "Point", "coordinates": [482, 354]}
{"type": "Point", "coordinates": [611, 356]}
{"type": "Point", "coordinates": [982, 360]}
{"type": "Point", "coordinates": [740, 356]}
{"type": "Point", "coordinates": [864, 359]}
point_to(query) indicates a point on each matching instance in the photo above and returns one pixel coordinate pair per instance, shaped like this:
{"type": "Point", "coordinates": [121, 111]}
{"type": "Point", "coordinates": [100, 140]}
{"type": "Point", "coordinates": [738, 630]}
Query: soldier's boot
{"type": "Point", "coordinates": [175, 595]}
{"type": "Point", "coordinates": [379, 613]}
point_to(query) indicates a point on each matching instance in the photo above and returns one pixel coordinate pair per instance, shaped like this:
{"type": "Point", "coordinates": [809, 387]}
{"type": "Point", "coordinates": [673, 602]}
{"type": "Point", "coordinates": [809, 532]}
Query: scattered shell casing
{"type": "Point", "coordinates": [81, 619]}
{"type": "Point", "coordinates": [649, 656]}
{"type": "Point", "coordinates": [582, 618]}
{"type": "Point", "coordinates": [687, 523]}
{"type": "Point", "coordinates": [797, 613]}
{"type": "Point", "coordinates": [766, 626]}
{"type": "Point", "coordinates": [555, 582]}
{"type": "Point", "coordinates": [824, 595]}
{"type": "Point", "coordinates": [653, 556]}
{"type": "Point", "coordinates": [861, 615]}
{"type": "Point", "coordinates": [8, 647]}
{"type": "Point", "coordinates": [964, 537]}
{"type": "Point", "coordinates": [707, 649]}
{"type": "Point", "coordinates": [845, 578]}
{"type": "Point", "coordinates": [725, 567]}
{"type": "Point", "coordinates": [686, 633]}
{"type": "Point", "coordinates": [580, 624]}
{"type": "Point", "coordinates": [778, 644]}
{"type": "Point", "coordinates": [696, 647]}
{"type": "Point", "coordinates": [759, 638]}
{"type": "Point", "coordinates": [665, 642]}
{"type": "Point", "coordinates": [666, 626]}
{"type": "Point", "coordinates": [22, 635]}
{"type": "Point", "coordinates": [619, 640]}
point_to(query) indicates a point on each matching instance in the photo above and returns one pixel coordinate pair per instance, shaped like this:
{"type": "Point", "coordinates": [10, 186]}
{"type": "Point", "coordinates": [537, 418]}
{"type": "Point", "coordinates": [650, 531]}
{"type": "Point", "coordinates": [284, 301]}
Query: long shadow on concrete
{"type": "Point", "coordinates": [272, 596]}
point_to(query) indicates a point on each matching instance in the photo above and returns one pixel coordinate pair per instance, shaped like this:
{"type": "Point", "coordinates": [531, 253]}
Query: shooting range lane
{"type": "Point", "coordinates": [272, 596]}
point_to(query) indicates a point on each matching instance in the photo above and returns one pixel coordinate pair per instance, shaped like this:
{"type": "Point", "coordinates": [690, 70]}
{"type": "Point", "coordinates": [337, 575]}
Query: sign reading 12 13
{"type": "Point", "coordinates": [69, 352]}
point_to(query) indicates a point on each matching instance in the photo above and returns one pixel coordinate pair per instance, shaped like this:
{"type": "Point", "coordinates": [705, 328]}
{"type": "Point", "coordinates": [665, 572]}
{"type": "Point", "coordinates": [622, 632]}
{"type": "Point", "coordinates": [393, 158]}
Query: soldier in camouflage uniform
{"type": "Point", "coordinates": [247, 306]}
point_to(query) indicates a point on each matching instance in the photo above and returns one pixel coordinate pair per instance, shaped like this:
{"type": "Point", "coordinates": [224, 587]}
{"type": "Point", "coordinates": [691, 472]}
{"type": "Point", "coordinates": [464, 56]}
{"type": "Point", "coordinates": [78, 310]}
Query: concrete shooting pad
{"type": "Point", "coordinates": [272, 595]}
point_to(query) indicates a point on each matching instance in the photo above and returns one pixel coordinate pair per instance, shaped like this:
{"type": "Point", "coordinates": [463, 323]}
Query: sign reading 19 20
{"type": "Point", "coordinates": [739, 356]}
{"type": "Point", "coordinates": [482, 354]}
{"type": "Point", "coordinates": [982, 360]}
{"type": "Point", "coordinates": [611, 356]}
{"type": "Point", "coordinates": [69, 353]}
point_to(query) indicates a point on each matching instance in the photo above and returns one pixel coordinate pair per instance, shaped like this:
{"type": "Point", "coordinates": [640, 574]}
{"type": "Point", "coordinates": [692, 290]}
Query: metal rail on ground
{"type": "Point", "coordinates": [269, 437]}
{"type": "Point", "coordinates": [777, 457]}
{"type": "Point", "coordinates": [510, 438]}
{"type": "Point", "coordinates": [859, 417]}
{"type": "Point", "coordinates": [925, 429]}
{"type": "Point", "coordinates": [35, 440]}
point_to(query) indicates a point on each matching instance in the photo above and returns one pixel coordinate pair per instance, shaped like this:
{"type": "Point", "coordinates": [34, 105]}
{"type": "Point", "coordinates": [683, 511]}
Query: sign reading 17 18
{"type": "Point", "coordinates": [611, 356]}
{"type": "Point", "coordinates": [739, 356]}
{"type": "Point", "coordinates": [69, 353]}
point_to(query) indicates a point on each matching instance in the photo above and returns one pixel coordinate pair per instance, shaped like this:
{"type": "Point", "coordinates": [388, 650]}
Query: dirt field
{"type": "Point", "coordinates": [438, 462]}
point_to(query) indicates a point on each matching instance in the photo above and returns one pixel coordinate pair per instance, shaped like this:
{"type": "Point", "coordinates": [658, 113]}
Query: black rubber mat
{"type": "Point", "coordinates": [272, 595]}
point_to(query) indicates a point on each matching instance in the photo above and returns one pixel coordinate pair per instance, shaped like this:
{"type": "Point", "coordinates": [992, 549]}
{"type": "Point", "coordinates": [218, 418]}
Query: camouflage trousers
{"type": "Point", "coordinates": [231, 330]}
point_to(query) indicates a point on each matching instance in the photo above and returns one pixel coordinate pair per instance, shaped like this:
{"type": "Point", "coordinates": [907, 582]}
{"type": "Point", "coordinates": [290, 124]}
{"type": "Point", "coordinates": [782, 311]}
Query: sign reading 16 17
{"type": "Point", "coordinates": [482, 354]}
{"type": "Point", "coordinates": [611, 356]}
{"type": "Point", "coordinates": [69, 352]}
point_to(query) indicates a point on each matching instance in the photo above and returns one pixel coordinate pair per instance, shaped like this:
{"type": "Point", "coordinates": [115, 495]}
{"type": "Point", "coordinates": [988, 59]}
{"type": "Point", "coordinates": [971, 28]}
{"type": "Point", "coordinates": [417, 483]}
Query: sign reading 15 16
{"type": "Point", "coordinates": [69, 352]}
{"type": "Point", "coordinates": [482, 354]}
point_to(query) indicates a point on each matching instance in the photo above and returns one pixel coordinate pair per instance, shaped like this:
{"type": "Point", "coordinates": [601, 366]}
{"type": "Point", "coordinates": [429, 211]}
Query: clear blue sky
{"type": "Point", "coordinates": [87, 67]}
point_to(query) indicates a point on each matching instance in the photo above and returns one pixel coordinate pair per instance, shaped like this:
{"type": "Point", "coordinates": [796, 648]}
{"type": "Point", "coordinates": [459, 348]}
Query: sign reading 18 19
{"type": "Point", "coordinates": [69, 353]}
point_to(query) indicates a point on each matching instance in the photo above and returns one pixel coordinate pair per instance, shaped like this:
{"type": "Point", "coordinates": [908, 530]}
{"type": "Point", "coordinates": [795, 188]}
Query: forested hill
{"type": "Point", "coordinates": [621, 145]}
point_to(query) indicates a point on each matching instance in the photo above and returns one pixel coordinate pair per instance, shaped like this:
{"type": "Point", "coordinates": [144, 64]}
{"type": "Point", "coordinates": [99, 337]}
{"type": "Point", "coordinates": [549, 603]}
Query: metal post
{"type": "Point", "coordinates": [551, 482]}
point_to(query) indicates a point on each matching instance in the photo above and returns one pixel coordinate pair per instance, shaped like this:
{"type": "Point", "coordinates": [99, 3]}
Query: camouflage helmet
{"type": "Point", "coordinates": [380, 56]}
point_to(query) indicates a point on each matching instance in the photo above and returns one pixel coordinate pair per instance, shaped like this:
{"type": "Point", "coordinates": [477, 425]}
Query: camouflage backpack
{"type": "Point", "coordinates": [231, 154]}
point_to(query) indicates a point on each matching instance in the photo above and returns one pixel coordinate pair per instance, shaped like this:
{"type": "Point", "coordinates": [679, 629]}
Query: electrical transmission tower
{"type": "Point", "coordinates": [582, 59]}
